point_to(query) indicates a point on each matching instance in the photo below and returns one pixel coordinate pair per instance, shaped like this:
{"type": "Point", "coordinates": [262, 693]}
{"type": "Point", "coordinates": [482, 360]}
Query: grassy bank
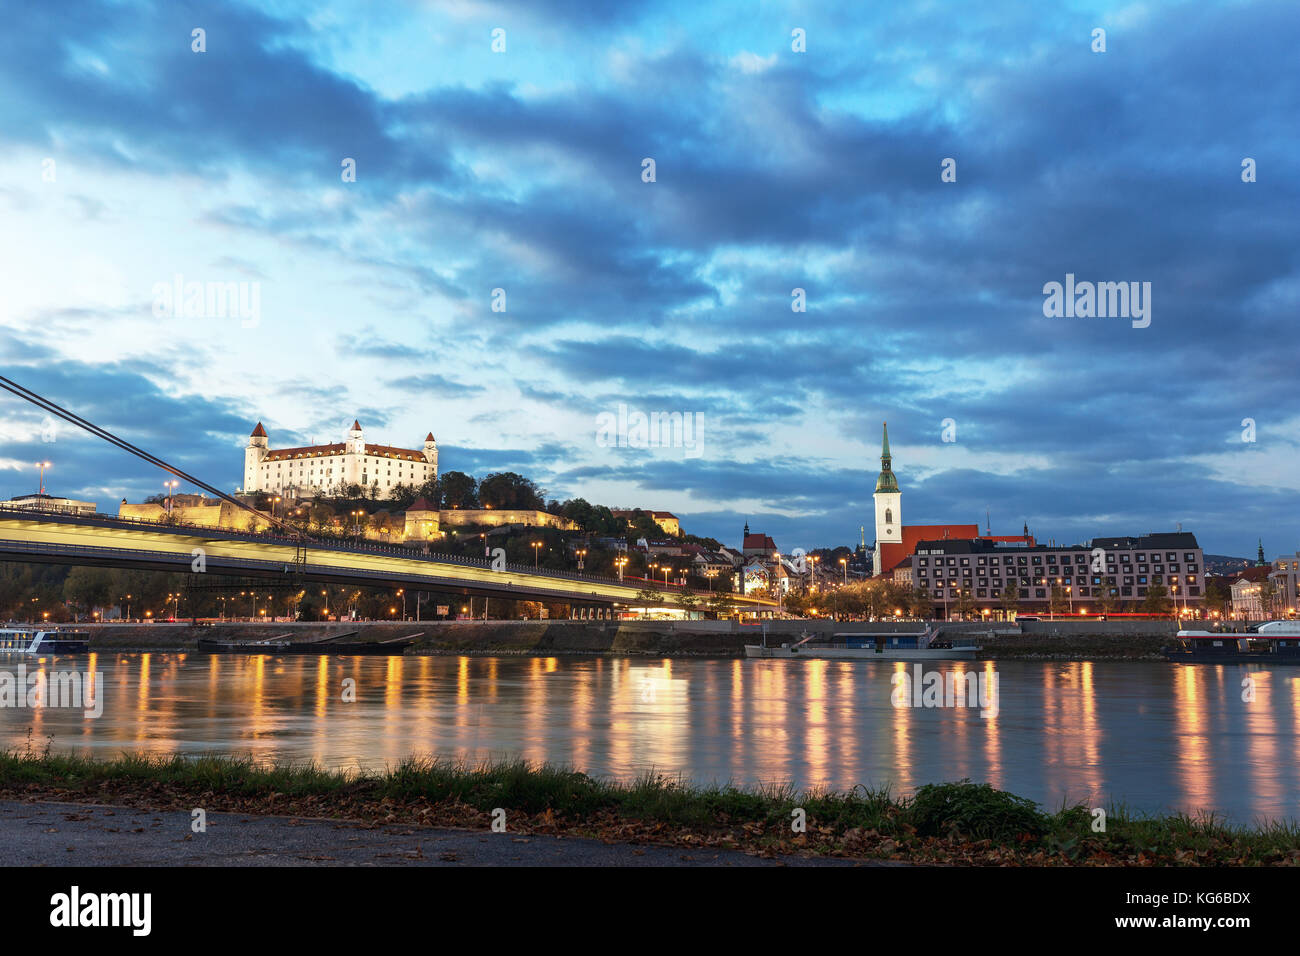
{"type": "Point", "coordinates": [945, 823]}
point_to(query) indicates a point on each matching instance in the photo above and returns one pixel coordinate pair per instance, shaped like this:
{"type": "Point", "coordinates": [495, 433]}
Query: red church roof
{"type": "Point", "coordinates": [892, 555]}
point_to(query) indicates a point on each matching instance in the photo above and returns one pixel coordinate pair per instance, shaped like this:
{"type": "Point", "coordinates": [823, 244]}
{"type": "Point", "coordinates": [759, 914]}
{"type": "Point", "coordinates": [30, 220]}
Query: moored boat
{"type": "Point", "coordinates": [43, 640]}
{"type": "Point", "coordinates": [1277, 642]}
{"type": "Point", "coordinates": [282, 644]}
{"type": "Point", "coordinates": [868, 646]}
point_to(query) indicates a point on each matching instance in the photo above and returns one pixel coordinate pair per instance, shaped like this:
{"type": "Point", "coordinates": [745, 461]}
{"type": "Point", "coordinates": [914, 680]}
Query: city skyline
{"type": "Point", "coordinates": [775, 171]}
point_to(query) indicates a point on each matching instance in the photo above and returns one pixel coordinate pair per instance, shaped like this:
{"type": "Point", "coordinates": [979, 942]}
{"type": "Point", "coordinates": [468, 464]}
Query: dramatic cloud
{"type": "Point", "coordinates": [500, 271]}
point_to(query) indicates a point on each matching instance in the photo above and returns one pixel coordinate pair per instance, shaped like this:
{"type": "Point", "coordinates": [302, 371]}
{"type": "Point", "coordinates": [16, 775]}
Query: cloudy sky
{"type": "Point", "coordinates": [128, 160]}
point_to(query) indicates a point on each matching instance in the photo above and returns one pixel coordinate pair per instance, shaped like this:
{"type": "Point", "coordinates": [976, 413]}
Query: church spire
{"type": "Point", "coordinates": [1261, 562]}
{"type": "Point", "coordinates": [886, 482]}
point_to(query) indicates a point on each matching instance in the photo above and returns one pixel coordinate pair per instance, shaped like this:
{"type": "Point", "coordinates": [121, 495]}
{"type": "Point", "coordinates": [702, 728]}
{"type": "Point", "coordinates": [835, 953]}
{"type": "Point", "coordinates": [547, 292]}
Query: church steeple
{"type": "Point", "coordinates": [1261, 562]}
{"type": "Point", "coordinates": [886, 482]}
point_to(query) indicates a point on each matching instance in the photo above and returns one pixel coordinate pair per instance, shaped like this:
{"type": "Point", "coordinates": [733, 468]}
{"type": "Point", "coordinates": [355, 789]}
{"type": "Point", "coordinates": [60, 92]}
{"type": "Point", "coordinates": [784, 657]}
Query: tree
{"type": "Point", "coordinates": [1058, 602]}
{"type": "Point", "coordinates": [1157, 600]}
{"type": "Point", "coordinates": [1218, 596]}
{"type": "Point", "coordinates": [687, 601]}
{"type": "Point", "coordinates": [505, 489]}
{"type": "Point", "coordinates": [966, 604]}
{"type": "Point", "coordinates": [720, 604]}
{"type": "Point", "coordinates": [1106, 600]}
{"type": "Point", "coordinates": [648, 596]}
{"type": "Point", "coordinates": [1267, 597]}
{"type": "Point", "coordinates": [459, 490]}
{"type": "Point", "coordinates": [1011, 597]}
{"type": "Point", "coordinates": [89, 588]}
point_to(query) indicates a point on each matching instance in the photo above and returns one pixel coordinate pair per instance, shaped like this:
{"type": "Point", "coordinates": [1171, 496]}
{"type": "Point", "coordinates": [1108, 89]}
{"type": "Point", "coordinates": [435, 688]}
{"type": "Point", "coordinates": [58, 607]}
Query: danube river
{"type": "Point", "coordinates": [1151, 736]}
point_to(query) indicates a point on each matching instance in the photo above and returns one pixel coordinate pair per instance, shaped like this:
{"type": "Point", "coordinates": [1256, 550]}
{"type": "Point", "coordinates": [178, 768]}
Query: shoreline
{"type": "Point", "coordinates": [959, 823]}
{"type": "Point", "coordinates": [703, 639]}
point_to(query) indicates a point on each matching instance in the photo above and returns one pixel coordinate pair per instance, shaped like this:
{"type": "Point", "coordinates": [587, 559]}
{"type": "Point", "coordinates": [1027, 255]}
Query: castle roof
{"type": "Point", "coordinates": [259, 431]}
{"type": "Point", "coordinates": [340, 448]}
{"type": "Point", "coordinates": [356, 424]}
{"type": "Point", "coordinates": [429, 437]}
{"type": "Point", "coordinates": [421, 504]}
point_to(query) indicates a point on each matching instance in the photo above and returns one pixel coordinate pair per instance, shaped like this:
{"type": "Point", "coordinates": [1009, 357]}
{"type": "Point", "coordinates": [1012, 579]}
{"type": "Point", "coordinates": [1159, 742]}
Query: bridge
{"type": "Point", "coordinates": [111, 541]}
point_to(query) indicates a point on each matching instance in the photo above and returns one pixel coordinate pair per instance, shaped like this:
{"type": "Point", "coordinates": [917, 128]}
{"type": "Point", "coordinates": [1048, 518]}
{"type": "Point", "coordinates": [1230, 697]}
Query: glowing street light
{"type": "Point", "coordinates": [42, 465]}
{"type": "Point", "coordinates": [536, 546]}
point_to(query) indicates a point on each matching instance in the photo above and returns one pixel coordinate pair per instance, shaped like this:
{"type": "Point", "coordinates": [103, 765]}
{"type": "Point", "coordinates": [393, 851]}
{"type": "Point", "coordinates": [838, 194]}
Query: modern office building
{"type": "Point", "coordinates": [1126, 568]}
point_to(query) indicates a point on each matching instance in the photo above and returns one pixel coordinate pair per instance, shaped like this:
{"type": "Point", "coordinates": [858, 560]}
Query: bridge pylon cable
{"type": "Point", "coordinates": [54, 409]}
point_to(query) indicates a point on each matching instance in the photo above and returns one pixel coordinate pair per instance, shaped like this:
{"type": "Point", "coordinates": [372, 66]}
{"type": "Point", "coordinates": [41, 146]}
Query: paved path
{"type": "Point", "coordinates": [56, 834]}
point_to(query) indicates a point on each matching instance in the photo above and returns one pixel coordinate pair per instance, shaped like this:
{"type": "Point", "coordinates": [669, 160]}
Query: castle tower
{"type": "Point", "coordinates": [431, 453]}
{"type": "Point", "coordinates": [889, 506]}
{"type": "Point", "coordinates": [258, 446]}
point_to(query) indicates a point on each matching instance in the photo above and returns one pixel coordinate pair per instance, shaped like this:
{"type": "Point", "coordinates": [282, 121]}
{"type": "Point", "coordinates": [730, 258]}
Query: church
{"type": "Point", "coordinates": [895, 541]}
{"type": "Point", "coordinates": [326, 470]}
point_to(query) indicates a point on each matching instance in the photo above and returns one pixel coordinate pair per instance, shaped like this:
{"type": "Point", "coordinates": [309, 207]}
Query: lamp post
{"type": "Point", "coordinates": [582, 553]}
{"type": "Point", "coordinates": [402, 592]}
{"type": "Point", "coordinates": [619, 563]}
{"type": "Point", "coordinates": [536, 551]}
{"type": "Point", "coordinates": [42, 465]}
{"type": "Point", "coordinates": [171, 487]}
{"type": "Point", "coordinates": [844, 565]}
{"type": "Point", "coordinates": [710, 573]}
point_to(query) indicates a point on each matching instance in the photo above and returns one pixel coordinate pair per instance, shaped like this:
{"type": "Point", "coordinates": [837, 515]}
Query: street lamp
{"type": "Point", "coordinates": [619, 563]}
{"type": "Point", "coordinates": [171, 487]}
{"type": "Point", "coordinates": [844, 564]}
{"type": "Point", "coordinates": [42, 465]}
{"type": "Point", "coordinates": [582, 553]}
{"type": "Point", "coordinates": [536, 546]}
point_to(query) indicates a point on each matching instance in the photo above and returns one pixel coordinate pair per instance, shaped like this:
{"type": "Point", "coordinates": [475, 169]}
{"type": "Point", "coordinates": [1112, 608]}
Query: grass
{"type": "Point", "coordinates": [958, 822]}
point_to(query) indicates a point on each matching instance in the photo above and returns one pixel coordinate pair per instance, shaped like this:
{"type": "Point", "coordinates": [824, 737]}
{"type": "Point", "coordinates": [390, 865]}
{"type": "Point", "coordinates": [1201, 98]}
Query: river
{"type": "Point", "coordinates": [1152, 736]}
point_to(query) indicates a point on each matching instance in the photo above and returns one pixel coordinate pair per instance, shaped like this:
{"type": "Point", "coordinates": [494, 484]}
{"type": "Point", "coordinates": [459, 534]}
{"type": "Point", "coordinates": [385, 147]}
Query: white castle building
{"type": "Point", "coordinates": [315, 470]}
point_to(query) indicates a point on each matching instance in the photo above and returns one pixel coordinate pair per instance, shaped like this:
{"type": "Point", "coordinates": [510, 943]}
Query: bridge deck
{"type": "Point", "coordinates": [110, 541]}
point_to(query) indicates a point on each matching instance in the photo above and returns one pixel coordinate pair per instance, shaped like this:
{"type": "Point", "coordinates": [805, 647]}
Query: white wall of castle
{"type": "Point", "coordinates": [313, 474]}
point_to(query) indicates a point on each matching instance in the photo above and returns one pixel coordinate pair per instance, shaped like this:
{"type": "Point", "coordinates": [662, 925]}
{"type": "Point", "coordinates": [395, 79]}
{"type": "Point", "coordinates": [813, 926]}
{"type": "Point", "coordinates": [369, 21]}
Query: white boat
{"type": "Point", "coordinates": [43, 640]}
{"type": "Point", "coordinates": [869, 646]}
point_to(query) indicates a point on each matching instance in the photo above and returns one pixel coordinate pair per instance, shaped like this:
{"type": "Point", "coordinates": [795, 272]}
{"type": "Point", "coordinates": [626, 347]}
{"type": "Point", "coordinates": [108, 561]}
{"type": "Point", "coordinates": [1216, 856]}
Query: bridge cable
{"type": "Point", "coordinates": [49, 406]}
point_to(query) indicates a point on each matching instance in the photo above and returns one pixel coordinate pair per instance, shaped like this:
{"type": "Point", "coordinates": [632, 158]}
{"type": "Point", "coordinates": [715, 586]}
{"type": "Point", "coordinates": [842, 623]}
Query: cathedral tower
{"type": "Point", "coordinates": [889, 506]}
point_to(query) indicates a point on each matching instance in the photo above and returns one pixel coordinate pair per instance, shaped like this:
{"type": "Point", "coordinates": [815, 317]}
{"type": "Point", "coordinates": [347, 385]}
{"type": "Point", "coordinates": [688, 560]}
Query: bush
{"type": "Point", "coordinates": [973, 810]}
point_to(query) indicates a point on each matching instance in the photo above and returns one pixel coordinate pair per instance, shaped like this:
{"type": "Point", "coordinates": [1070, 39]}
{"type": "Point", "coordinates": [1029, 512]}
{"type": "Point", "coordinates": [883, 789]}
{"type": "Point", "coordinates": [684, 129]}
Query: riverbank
{"type": "Point", "coordinates": [953, 823]}
{"type": "Point", "coordinates": [1091, 640]}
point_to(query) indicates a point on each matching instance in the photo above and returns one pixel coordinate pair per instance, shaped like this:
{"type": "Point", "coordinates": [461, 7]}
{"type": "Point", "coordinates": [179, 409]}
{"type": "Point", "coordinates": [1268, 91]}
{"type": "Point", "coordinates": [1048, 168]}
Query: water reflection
{"type": "Point", "coordinates": [1152, 736]}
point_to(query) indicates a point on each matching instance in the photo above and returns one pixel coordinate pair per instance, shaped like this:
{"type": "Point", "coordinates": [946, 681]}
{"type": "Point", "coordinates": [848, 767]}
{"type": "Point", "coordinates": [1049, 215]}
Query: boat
{"type": "Point", "coordinates": [1276, 642]}
{"type": "Point", "coordinates": [332, 645]}
{"type": "Point", "coordinates": [925, 645]}
{"type": "Point", "coordinates": [43, 640]}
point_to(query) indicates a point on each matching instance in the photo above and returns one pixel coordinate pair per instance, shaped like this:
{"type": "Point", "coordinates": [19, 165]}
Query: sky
{"type": "Point", "coordinates": [503, 270]}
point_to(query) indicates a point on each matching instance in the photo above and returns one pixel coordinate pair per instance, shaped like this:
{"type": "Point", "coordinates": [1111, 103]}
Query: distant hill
{"type": "Point", "coordinates": [1222, 564]}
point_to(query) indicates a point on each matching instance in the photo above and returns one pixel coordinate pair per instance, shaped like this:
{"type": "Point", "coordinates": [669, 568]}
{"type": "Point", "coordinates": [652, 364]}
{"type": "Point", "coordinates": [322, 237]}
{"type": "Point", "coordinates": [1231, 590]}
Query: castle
{"type": "Point", "coordinates": [315, 470]}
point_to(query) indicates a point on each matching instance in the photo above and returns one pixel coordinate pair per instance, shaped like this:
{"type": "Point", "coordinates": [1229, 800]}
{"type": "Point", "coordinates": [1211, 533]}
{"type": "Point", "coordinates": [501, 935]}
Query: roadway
{"type": "Point", "coordinates": [108, 541]}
